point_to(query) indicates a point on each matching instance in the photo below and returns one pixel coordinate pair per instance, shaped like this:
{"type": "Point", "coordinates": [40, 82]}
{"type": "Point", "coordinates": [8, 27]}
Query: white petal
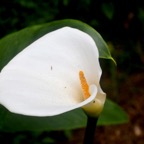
{"type": "Point", "coordinates": [43, 79]}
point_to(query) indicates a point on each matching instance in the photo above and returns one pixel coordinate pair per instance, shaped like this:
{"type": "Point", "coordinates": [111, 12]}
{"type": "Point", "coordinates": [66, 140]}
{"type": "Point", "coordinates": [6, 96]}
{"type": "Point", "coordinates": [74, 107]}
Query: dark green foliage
{"type": "Point", "coordinates": [113, 18]}
{"type": "Point", "coordinates": [120, 22]}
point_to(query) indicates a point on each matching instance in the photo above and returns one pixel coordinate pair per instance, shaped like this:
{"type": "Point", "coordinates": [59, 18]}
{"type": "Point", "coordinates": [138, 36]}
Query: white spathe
{"type": "Point", "coordinates": [43, 79]}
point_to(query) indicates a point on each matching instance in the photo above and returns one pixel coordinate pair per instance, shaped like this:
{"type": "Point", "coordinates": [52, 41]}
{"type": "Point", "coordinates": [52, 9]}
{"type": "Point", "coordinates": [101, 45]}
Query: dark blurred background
{"type": "Point", "coordinates": [121, 24]}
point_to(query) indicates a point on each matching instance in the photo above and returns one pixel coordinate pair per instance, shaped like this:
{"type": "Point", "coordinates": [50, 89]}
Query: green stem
{"type": "Point", "coordinates": [90, 130]}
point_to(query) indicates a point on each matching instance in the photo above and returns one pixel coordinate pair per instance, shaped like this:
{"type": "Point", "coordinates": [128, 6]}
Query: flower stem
{"type": "Point", "coordinates": [90, 130]}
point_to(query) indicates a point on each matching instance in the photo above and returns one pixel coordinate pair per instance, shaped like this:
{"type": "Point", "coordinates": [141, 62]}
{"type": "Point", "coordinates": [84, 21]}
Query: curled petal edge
{"type": "Point", "coordinates": [95, 107]}
{"type": "Point", "coordinates": [93, 91]}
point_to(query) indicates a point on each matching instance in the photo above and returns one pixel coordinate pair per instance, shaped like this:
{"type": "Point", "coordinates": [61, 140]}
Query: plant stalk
{"type": "Point", "coordinates": [90, 130]}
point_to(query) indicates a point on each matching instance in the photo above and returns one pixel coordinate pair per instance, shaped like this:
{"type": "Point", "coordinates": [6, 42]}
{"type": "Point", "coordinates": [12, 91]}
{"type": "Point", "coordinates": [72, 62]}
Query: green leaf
{"type": "Point", "coordinates": [15, 122]}
{"type": "Point", "coordinates": [112, 114]}
{"type": "Point", "coordinates": [16, 42]}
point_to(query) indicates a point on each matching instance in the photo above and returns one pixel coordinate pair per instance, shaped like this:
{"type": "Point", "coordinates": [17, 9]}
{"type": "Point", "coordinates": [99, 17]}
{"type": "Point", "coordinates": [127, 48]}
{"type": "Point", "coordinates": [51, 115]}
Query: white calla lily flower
{"type": "Point", "coordinates": [43, 79]}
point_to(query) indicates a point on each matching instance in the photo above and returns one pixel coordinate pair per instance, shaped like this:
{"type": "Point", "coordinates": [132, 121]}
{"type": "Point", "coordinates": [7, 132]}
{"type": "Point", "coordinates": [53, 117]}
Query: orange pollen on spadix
{"type": "Point", "coordinates": [84, 85]}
